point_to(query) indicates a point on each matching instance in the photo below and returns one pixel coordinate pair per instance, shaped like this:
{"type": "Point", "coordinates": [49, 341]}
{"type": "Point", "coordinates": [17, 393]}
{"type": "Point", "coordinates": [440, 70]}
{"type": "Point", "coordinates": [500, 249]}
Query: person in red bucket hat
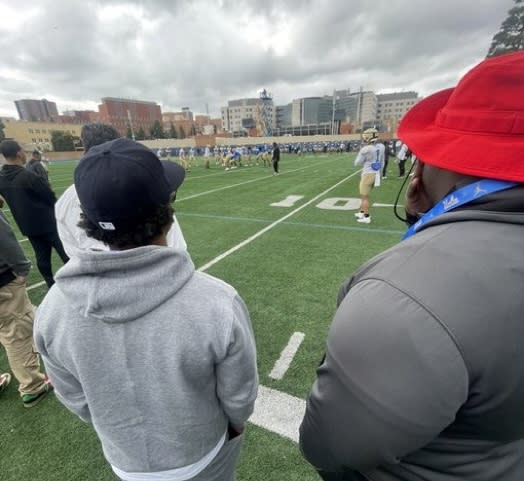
{"type": "Point", "coordinates": [422, 379]}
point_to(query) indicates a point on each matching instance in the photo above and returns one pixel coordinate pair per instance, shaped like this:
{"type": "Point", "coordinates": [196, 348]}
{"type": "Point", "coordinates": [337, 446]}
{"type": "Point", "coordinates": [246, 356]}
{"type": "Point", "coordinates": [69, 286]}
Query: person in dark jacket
{"type": "Point", "coordinates": [32, 202]}
{"type": "Point", "coordinates": [422, 378]}
{"type": "Point", "coordinates": [16, 320]}
{"type": "Point", "coordinates": [275, 158]}
{"type": "Point", "coordinates": [35, 165]}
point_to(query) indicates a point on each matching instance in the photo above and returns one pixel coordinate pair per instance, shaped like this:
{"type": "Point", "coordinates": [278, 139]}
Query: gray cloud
{"type": "Point", "coordinates": [193, 52]}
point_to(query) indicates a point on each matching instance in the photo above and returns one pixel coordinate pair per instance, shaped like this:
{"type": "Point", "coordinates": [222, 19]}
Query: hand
{"type": "Point", "coordinates": [234, 431]}
{"type": "Point", "coordinates": [20, 279]}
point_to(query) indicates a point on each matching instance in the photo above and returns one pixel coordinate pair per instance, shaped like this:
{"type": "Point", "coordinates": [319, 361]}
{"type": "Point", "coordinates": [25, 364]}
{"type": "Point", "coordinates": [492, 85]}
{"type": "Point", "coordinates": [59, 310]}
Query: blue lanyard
{"type": "Point", "coordinates": [460, 197]}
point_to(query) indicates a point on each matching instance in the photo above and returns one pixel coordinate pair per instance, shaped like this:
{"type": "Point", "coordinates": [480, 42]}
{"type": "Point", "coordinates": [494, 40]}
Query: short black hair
{"type": "Point", "coordinates": [141, 233]}
{"type": "Point", "coordinates": [96, 134]}
{"type": "Point", "coordinates": [9, 148]}
{"type": "Point", "coordinates": [36, 153]}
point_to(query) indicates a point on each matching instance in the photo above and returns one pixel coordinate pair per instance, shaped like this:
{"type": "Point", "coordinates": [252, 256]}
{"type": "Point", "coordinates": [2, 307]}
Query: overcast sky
{"type": "Point", "coordinates": [192, 52]}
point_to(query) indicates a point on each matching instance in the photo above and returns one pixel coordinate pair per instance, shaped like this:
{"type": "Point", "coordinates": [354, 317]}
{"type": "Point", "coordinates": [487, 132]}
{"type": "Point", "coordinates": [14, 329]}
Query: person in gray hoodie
{"type": "Point", "coordinates": [158, 357]}
{"type": "Point", "coordinates": [423, 375]}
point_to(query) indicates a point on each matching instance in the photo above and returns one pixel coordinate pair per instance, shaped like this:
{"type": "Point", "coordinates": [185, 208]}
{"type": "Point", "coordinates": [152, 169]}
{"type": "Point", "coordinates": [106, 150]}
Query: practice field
{"type": "Point", "coordinates": [286, 243]}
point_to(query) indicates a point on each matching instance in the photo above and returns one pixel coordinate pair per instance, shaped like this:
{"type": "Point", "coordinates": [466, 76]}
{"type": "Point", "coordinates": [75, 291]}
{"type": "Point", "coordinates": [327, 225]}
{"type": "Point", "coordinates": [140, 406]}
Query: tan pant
{"type": "Point", "coordinates": [367, 182]}
{"type": "Point", "coordinates": [16, 335]}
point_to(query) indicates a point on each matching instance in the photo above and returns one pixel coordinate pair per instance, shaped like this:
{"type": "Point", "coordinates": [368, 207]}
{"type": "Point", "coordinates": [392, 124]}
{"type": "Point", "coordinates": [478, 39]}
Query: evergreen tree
{"type": "Point", "coordinates": [157, 131]}
{"type": "Point", "coordinates": [510, 37]}
{"type": "Point", "coordinates": [129, 133]}
{"type": "Point", "coordinates": [193, 130]}
{"type": "Point", "coordinates": [140, 135]}
{"type": "Point", "coordinates": [182, 134]}
{"type": "Point", "coordinates": [2, 132]}
{"type": "Point", "coordinates": [172, 132]}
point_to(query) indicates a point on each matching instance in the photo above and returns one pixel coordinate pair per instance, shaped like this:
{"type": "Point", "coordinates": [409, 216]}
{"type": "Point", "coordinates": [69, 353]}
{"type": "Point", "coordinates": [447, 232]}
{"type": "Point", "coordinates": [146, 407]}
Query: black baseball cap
{"type": "Point", "coordinates": [121, 181]}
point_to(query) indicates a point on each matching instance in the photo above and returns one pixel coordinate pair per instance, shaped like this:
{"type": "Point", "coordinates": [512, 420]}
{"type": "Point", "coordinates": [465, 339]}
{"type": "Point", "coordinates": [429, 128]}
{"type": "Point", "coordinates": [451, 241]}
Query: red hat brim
{"type": "Point", "coordinates": [487, 155]}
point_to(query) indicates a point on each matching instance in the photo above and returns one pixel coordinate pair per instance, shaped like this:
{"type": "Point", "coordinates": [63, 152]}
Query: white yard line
{"type": "Point", "coordinates": [286, 356]}
{"type": "Point", "coordinates": [278, 412]}
{"type": "Point", "coordinates": [299, 224]}
{"type": "Point", "coordinates": [218, 258]}
{"type": "Point", "coordinates": [241, 183]}
{"type": "Point", "coordinates": [34, 286]}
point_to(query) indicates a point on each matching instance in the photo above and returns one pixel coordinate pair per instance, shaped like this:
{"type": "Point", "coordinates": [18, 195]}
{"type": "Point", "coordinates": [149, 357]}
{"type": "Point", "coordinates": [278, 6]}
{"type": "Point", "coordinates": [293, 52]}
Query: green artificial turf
{"type": "Point", "coordinates": [289, 277]}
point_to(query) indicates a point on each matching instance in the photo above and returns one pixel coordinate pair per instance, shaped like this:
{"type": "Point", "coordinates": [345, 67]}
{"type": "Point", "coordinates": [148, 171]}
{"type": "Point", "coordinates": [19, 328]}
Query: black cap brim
{"type": "Point", "coordinates": [174, 173]}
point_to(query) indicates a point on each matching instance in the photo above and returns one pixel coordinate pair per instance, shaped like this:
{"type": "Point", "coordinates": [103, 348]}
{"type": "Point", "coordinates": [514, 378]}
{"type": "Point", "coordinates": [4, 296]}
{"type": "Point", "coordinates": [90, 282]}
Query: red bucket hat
{"type": "Point", "coordinates": [476, 128]}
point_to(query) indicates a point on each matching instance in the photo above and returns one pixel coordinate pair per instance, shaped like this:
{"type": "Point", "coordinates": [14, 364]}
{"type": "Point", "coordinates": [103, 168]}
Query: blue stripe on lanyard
{"type": "Point", "coordinates": [460, 197]}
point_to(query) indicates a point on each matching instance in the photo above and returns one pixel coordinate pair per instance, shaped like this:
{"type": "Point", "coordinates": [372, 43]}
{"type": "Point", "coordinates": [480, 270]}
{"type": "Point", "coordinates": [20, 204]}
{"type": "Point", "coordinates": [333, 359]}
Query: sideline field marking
{"type": "Point", "coordinates": [247, 241]}
{"type": "Point", "coordinates": [286, 356]}
{"type": "Point", "coordinates": [278, 412]}
{"type": "Point", "coordinates": [244, 183]}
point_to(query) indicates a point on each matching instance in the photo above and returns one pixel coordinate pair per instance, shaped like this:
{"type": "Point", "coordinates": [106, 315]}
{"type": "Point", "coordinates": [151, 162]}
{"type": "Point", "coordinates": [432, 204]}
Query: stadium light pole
{"type": "Point", "coordinates": [333, 113]}
{"type": "Point", "coordinates": [131, 124]}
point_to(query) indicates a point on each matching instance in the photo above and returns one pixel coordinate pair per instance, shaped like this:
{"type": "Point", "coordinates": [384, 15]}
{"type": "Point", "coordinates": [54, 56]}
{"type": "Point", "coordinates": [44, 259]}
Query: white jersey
{"type": "Point", "coordinates": [368, 155]}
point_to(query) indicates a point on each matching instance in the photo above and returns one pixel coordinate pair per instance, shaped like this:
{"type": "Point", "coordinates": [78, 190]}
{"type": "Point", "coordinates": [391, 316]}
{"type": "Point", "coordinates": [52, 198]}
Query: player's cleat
{"type": "Point", "coordinates": [364, 220]}
{"type": "Point", "coordinates": [5, 379]}
{"type": "Point", "coordinates": [359, 215]}
{"type": "Point", "coordinates": [31, 400]}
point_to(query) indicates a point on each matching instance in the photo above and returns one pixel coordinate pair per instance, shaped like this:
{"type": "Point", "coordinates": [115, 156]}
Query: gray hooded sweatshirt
{"type": "Point", "coordinates": [423, 378]}
{"type": "Point", "coordinates": [159, 357]}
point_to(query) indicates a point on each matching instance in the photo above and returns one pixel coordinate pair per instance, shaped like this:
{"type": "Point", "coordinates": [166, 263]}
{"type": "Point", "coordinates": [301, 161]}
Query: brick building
{"type": "Point", "coordinates": [121, 113]}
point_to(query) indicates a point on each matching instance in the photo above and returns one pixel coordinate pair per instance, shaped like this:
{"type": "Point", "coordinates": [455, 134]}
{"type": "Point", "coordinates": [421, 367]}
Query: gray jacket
{"type": "Point", "coordinates": [157, 356]}
{"type": "Point", "coordinates": [423, 377]}
{"type": "Point", "coordinates": [13, 261]}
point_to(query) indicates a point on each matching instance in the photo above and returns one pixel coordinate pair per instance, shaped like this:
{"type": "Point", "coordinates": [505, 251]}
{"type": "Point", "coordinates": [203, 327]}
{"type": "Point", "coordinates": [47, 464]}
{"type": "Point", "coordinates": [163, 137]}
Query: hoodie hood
{"type": "Point", "coordinates": [9, 171]}
{"type": "Point", "coordinates": [121, 286]}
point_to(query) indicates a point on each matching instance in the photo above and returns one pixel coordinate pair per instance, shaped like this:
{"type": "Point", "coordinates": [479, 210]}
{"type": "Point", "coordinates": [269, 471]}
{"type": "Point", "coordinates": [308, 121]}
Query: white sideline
{"type": "Point", "coordinates": [269, 227]}
{"type": "Point", "coordinates": [286, 356]}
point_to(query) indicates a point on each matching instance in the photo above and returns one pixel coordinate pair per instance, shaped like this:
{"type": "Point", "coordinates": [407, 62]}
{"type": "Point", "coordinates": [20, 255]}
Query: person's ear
{"type": "Point", "coordinates": [417, 198]}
